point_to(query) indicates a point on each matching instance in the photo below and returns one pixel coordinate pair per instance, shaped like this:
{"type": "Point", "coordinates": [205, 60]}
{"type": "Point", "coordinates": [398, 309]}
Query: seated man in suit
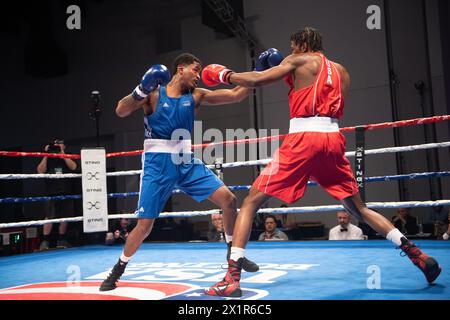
{"type": "Point", "coordinates": [217, 232]}
{"type": "Point", "coordinates": [404, 222]}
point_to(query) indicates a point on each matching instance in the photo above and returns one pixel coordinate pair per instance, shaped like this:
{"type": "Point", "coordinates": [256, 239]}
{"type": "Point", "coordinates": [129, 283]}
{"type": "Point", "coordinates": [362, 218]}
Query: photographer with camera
{"type": "Point", "coordinates": [120, 232]}
{"type": "Point", "coordinates": [56, 187]}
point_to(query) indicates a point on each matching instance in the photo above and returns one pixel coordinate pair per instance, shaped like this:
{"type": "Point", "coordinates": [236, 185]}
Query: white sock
{"type": "Point", "coordinates": [124, 258]}
{"type": "Point", "coordinates": [394, 236]}
{"type": "Point", "coordinates": [236, 253]}
{"type": "Point", "coordinates": [228, 238]}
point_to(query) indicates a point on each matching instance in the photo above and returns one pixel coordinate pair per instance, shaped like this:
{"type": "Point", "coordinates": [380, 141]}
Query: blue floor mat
{"type": "Point", "coordinates": [297, 270]}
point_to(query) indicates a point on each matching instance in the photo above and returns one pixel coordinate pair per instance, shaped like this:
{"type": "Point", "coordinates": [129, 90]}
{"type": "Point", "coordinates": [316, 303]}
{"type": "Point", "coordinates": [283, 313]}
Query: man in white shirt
{"type": "Point", "coordinates": [345, 230]}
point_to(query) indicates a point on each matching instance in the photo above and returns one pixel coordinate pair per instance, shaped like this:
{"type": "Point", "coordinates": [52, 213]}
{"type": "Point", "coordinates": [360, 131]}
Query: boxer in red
{"type": "Point", "coordinates": [314, 149]}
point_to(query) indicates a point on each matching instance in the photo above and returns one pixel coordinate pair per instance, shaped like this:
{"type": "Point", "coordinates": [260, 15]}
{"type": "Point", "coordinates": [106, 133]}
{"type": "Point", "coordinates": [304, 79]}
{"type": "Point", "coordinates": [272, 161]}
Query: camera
{"type": "Point", "coordinates": [53, 146]}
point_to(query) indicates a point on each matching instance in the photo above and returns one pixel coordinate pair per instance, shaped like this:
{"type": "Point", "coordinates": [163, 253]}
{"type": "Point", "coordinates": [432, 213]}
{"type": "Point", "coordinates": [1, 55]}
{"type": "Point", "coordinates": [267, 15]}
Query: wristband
{"type": "Point", "coordinates": [224, 76]}
{"type": "Point", "coordinates": [138, 94]}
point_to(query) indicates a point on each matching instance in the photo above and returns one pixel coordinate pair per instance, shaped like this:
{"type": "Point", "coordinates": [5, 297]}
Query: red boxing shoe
{"type": "Point", "coordinates": [425, 263]}
{"type": "Point", "coordinates": [229, 286]}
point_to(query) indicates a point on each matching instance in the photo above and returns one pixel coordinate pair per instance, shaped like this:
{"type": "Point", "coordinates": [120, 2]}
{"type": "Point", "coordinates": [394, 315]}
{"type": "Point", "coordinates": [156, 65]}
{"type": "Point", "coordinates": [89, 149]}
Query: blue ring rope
{"type": "Point", "coordinates": [411, 176]}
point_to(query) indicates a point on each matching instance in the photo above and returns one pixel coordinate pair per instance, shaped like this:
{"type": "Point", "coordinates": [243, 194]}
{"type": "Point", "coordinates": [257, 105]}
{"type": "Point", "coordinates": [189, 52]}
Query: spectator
{"type": "Point", "coordinates": [438, 217]}
{"type": "Point", "coordinates": [282, 218]}
{"type": "Point", "coordinates": [345, 230]}
{"type": "Point", "coordinates": [404, 222]}
{"type": "Point", "coordinates": [119, 231]}
{"type": "Point", "coordinates": [271, 232]}
{"type": "Point", "coordinates": [438, 214]}
{"type": "Point", "coordinates": [446, 234]}
{"type": "Point", "coordinates": [56, 187]}
{"type": "Point", "coordinates": [216, 233]}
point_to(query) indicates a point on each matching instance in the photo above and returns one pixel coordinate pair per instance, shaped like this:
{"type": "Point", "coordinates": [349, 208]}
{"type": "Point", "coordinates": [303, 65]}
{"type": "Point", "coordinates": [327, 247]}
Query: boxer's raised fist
{"type": "Point", "coordinates": [268, 59]}
{"type": "Point", "coordinates": [156, 75]}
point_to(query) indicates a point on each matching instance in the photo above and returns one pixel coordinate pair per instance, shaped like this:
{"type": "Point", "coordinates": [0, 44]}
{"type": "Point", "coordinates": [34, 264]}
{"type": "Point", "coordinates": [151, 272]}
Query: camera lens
{"type": "Point", "coordinates": [53, 148]}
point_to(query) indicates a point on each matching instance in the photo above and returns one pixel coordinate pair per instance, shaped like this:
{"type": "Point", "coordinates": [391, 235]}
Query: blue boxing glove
{"type": "Point", "coordinates": [156, 75]}
{"type": "Point", "coordinates": [268, 59]}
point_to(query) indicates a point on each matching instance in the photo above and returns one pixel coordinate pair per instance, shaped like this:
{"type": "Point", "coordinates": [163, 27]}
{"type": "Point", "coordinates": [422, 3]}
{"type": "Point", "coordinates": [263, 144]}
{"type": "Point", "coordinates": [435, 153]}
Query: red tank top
{"type": "Point", "coordinates": [322, 98]}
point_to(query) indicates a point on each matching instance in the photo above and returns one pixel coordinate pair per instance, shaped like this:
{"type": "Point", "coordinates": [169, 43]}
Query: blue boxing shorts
{"type": "Point", "coordinates": [161, 175]}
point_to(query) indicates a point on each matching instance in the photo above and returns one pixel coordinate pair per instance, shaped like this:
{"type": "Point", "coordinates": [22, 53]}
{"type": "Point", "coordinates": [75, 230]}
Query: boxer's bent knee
{"type": "Point", "coordinates": [229, 201]}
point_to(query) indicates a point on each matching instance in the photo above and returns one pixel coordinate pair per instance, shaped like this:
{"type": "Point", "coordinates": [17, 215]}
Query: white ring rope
{"type": "Point", "coordinates": [186, 214]}
{"type": "Point", "coordinates": [347, 154]}
{"type": "Point", "coordinates": [11, 176]}
{"type": "Point", "coordinates": [403, 149]}
{"type": "Point", "coordinates": [227, 165]}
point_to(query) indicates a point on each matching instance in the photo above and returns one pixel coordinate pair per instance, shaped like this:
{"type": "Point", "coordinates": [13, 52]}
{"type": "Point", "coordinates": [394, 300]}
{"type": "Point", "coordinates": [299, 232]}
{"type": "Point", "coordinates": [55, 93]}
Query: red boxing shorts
{"type": "Point", "coordinates": [319, 156]}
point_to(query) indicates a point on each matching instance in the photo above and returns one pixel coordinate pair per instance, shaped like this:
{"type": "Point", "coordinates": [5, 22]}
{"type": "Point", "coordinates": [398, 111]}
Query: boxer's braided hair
{"type": "Point", "coordinates": [310, 36]}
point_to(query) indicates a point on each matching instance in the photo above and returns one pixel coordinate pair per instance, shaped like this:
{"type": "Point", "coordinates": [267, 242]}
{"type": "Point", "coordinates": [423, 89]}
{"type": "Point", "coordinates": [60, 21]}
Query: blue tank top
{"type": "Point", "coordinates": [170, 114]}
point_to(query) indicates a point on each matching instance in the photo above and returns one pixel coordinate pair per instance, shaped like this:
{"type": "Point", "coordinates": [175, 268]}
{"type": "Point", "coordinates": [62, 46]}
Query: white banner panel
{"type": "Point", "coordinates": [95, 200]}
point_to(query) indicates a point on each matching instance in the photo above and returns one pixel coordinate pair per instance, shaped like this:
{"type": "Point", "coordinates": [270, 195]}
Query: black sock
{"type": "Point", "coordinates": [46, 237]}
{"type": "Point", "coordinates": [61, 237]}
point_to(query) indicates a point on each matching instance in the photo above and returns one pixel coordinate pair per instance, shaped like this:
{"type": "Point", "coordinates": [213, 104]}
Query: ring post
{"type": "Point", "coordinates": [95, 199]}
{"type": "Point", "coordinates": [360, 160]}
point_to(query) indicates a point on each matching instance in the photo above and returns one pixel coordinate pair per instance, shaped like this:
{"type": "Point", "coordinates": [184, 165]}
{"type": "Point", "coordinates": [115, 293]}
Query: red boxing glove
{"type": "Point", "coordinates": [214, 74]}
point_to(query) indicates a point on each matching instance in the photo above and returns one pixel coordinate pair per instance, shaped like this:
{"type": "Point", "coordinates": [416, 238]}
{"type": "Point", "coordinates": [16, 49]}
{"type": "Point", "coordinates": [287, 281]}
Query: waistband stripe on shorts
{"type": "Point", "coordinates": [167, 146]}
{"type": "Point", "coordinates": [313, 124]}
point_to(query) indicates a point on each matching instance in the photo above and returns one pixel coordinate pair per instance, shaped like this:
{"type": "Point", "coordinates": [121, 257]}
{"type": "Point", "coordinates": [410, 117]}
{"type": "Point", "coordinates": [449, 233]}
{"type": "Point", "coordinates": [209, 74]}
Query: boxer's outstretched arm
{"type": "Point", "coordinates": [258, 79]}
{"type": "Point", "coordinates": [222, 96]}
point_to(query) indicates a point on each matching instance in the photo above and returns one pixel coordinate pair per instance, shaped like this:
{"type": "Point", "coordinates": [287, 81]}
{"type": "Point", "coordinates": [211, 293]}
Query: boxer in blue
{"type": "Point", "coordinates": [169, 105]}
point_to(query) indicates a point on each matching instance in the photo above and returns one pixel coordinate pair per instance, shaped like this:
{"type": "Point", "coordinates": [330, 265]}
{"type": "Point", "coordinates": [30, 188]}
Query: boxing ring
{"type": "Point", "coordinates": [294, 270]}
